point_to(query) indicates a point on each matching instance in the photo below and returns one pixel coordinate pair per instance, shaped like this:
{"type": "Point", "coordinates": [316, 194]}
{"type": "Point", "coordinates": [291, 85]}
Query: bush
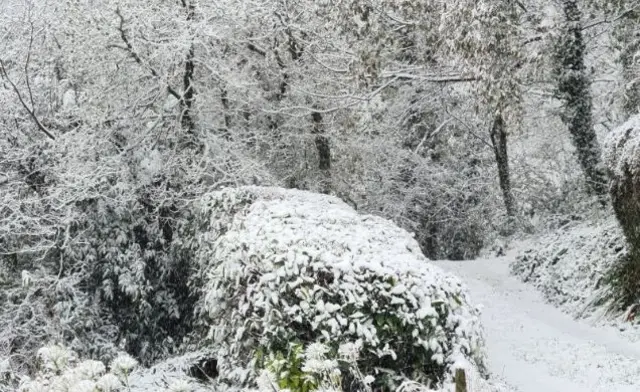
{"type": "Point", "coordinates": [572, 266]}
{"type": "Point", "coordinates": [289, 267]}
{"type": "Point", "coordinates": [621, 157]}
{"type": "Point", "coordinates": [61, 371]}
{"type": "Point", "coordinates": [101, 229]}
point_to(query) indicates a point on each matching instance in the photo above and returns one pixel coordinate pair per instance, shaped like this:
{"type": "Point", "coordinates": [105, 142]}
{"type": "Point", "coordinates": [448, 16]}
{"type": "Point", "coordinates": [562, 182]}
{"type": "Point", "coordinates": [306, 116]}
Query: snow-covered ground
{"type": "Point", "coordinates": [534, 346]}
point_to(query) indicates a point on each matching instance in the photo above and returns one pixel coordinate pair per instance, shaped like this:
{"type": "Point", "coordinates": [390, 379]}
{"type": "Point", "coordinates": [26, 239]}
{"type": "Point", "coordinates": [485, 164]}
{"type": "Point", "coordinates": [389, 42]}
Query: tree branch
{"type": "Point", "coordinates": [31, 111]}
{"type": "Point", "coordinates": [433, 79]}
{"type": "Point", "coordinates": [26, 68]}
{"type": "Point", "coordinates": [129, 49]}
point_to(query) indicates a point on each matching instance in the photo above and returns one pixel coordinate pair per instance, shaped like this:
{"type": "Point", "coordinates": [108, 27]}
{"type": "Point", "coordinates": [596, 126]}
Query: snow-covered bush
{"type": "Point", "coordinates": [98, 228]}
{"type": "Point", "coordinates": [572, 266]}
{"type": "Point", "coordinates": [622, 152]}
{"type": "Point", "coordinates": [286, 267]}
{"type": "Point", "coordinates": [61, 371]}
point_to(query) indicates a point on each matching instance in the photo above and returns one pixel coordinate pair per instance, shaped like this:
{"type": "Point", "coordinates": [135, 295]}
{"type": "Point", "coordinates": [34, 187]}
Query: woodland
{"type": "Point", "coordinates": [134, 134]}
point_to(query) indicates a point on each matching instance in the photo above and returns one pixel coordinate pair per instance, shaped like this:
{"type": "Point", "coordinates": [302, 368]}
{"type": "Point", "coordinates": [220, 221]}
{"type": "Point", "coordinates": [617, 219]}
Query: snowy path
{"type": "Point", "coordinates": [535, 347]}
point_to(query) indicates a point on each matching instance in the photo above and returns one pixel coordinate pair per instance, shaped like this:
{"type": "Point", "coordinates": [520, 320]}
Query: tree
{"type": "Point", "coordinates": [490, 46]}
{"type": "Point", "coordinates": [624, 16]}
{"type": "Point", "coordinates": [573, 88]}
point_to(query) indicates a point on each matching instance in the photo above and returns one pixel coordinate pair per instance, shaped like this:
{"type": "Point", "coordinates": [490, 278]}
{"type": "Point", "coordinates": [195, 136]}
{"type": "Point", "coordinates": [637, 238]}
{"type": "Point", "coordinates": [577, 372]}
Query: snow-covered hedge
{"type": "Point", "coordinates": [622, 156]}
{"type": "Point", "coordinates": [287, 266]}
{"type": "Point", "coordinates": [621, 151]}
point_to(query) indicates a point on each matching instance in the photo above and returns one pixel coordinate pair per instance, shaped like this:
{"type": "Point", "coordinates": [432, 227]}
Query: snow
{"type": "Point", "coordinates": [569, 265]}
{"type": "Point", "coordinates": [171, 371]}
{"type": "Point", "coordinates": [277, 258]}
{"type": "Point", "coordinates": [535, 346]}
{"type": "Point", "coordinates": [69, 99]}
{"type": "Point", "coordinates": [622, 147]}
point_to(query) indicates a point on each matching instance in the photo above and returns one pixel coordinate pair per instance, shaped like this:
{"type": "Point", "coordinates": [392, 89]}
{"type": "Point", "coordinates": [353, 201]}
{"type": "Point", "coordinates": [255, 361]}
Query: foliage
{"type": "Point", "coordinates": [102, 234]}
{"type": "Point", "coordinates": [297, 267]}
{"type": "Point", "coordinates": [572, 265]}
{"type": "Point", "coordinates": [621, 159]}
{"type": "Point", "coordinates": [61, 371]}
{"type": "Point", "coordinates": [119, 115]}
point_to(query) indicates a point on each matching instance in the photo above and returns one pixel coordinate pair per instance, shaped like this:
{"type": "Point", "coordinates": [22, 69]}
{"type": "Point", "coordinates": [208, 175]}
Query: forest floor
{"type": "Point", "coordinates": [535, 347]}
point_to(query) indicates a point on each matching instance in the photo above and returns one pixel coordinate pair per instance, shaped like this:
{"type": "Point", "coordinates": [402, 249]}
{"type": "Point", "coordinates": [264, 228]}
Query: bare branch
{"type": "Point", "coordinates": [31, 111]}
{"type": "Point", "coordinates": [129, 49]}
{"type": "Point", "coordinates": [468, 127]}
{"type": "Point", "coordinates": [436, 79]}
{"type": "Point", "coordinates": [430, 134]}
{"type": "Point", "coordinates": [26, 67]}
{"type": "Point", "coordinates": [257, 50]}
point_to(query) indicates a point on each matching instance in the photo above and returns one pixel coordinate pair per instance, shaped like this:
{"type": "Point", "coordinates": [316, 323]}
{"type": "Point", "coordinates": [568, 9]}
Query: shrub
{"type": "Point", "coordinates": [101, 228]}
{"type": "Point", "coordinates": [621, 157]}
{"type": "Point", "coordinates": [573, 266]}
{"type": "Point", "coordinates": [289, 267]}
{"type": "Point", "coordinates": [61, 371]}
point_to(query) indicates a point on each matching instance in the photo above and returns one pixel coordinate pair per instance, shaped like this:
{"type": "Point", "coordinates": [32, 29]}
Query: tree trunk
{"type": "Point", "coordinates": [574, 89]}
{"type": "Point", "coordinates": [499, 143]}
{"type": "Point", "coordinates": [324, 150]}
{"type": "Point", "coordinates": [322, 142]}
{"type": "Point", "coordinates": [630, 38]}
{"type": "Point", "coordinates": [188, 93]}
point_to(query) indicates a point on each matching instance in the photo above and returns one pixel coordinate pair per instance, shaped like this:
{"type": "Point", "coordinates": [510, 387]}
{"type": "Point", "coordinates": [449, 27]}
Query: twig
{"type": "Point", "coordinates": [428, 135]}
{"type": "Point", "coordinates": [31, 111]}
{"type": "Point", "coordinates": [434, 79]}
{"type": "Point", "coordinates": [468, 127]}
{"type": "Point", "coordinates": [129, 49]}
{"type": "Point", "coordinates": [26, 67]}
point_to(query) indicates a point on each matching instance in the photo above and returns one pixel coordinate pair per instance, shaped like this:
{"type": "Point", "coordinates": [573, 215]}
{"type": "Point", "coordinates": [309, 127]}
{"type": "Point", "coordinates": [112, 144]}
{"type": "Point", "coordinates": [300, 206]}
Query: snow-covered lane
{"type": "Point", "coordinates": [537, 348]}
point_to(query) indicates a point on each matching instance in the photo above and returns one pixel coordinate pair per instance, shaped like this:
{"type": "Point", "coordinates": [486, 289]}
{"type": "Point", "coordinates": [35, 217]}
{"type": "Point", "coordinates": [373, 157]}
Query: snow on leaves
{"type": "Point", "coordinates": [291, 266]}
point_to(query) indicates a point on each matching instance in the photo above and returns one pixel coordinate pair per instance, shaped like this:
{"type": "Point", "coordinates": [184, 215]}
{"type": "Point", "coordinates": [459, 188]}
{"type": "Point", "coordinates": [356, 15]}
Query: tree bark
{"type": "Point", "coordinates": [574, 89]}
{"type": "Point", "coordinates": [630, 38]}
{"type": "Point", "coordinates": [324, 150]}
{"type": "Point", "coordinates": [499, 143]}
{"type": "Point", "coordinates": [322, 142]}
{"type": "Point", "coordinates": [188, 92]}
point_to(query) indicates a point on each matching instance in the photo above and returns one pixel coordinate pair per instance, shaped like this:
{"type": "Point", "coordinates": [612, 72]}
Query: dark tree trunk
{"type": "Point", "coordinates": [322, 142]}
{"type": "Point", "coordinates": [224, 99]}
{"type": "Point", "coordinates": [499, 143]}
{"type": "Point", "coordinates": [574, 89]}
{"type": "Point", "coordinates": [189, 92]}
{"type": "Point", "coordinates": [324, 151]}
{"type": "Point", "coordinates": [624, 171]}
